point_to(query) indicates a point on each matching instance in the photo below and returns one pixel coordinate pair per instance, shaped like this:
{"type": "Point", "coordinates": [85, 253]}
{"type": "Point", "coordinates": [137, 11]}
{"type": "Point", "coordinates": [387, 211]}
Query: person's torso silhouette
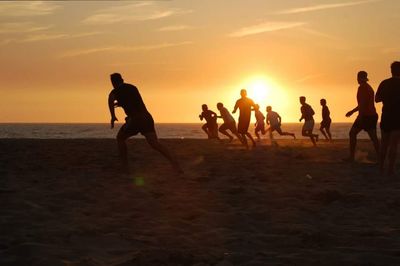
{"type": "Point", "coordinates": [389, 92]}
{"type": "Point", "coordinates": [307, 112]}
{"type": "Point", "coordinates": [245, 104]}
{"type": "Point", "coordinates": [226, 116]}
{"type": "Point", "coordinates": [129, 98]}
{"type": "Point", "coordinates": [365, 100]}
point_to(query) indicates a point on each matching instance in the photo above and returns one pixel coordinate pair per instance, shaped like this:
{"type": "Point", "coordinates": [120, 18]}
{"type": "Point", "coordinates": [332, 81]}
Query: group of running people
{"type": "Point", "coordinates": [139, 120]}
{"type": "Point", "coordinates": [273, 119]}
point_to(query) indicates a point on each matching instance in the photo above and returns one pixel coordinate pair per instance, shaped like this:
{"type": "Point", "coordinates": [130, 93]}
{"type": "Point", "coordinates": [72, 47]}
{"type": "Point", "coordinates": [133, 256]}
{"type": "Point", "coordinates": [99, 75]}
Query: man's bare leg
{"type": "Point", "coordinates": [310, 135]}
{"type": "Point", "coordinates": [385, 139]}
{"type": "Point", "coordinates": [328, 131]}
{"type": "Point", "coordinates": [244, 140]}
{"type": "Point", "coordinates": [285, 133]}
{"type": "Point", "coordinates": [324, 133]}
{"type": "Point", "coordinates": [394, 140]}
{"type": "Point", "coordinates": [237, 135]}
{"type": "Point", "coordinates": [374, 138]}
{"type": "Point", "coordinates": [123, 151]}
{"type": "Point", "coordinates": [205, 129]}
{"type": "Point", "coordinates": [155, 144]}
{"type": "Point", "coordinates": [251, 138]}
{"type": "Point", "coordinates": [353, 142]}
{"type": "Point", "coordinates": [224, 132]}
{"type": "Point", "coordinates": [257, 135]}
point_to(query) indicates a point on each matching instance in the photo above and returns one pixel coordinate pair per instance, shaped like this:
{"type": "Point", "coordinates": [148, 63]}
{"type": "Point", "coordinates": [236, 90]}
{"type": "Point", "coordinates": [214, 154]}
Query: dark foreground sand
{"type": "Point", "coordinates": [63, 202]}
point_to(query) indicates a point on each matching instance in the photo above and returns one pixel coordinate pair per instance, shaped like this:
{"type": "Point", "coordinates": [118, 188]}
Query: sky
{"type": "Point", "coordinates": [56, 57]}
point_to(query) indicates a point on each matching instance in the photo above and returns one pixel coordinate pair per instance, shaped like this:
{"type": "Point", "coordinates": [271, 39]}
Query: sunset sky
{"type": "Point", "coordinates": [56, 57]}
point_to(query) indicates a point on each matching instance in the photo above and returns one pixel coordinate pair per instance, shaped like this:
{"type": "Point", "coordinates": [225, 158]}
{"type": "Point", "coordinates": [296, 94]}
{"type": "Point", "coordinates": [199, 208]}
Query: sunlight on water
{"type": "Point", "coordinates": [168, 131]}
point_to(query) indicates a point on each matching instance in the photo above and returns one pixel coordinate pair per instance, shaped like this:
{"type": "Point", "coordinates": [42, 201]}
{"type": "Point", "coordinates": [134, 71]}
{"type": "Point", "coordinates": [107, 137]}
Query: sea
{"type": "Point", "coordinates": [164, 130]}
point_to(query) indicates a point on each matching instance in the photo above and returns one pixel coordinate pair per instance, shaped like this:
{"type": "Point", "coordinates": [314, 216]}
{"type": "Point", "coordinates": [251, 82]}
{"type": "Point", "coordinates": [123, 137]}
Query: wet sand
{"type": "Point", "coordinates": [65, 202]}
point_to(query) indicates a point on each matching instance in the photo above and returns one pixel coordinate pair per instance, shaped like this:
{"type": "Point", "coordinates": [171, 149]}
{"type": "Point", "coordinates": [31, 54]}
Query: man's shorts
{"type": "Point", "coordinates": [276, 127]}
{"type": "Point", "coordinates": [326, 124]}
{"type": "Point", "coordinates": [366, 122]}
{"type": "Point", "coordinates": [231, 126]}
{"type": "Point", "coordinates": [212, 129]}
{"type": "Point", "coordinates": [142, 123]}
{"type": "Point", "coordinates": [260, 127]}
{"type": "Point", "coordinates": [308, 125]}
{"type": "Point", "coordinates": [243, 125]}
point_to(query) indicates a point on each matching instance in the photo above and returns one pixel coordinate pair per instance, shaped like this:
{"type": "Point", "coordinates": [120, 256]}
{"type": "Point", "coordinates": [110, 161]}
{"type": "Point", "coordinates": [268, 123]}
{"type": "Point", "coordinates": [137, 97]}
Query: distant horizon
{"type": "Point", "coordinates": [107, 123]}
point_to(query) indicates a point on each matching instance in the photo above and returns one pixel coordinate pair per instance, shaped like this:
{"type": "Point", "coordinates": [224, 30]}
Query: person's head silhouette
{"type": "Point", "coordinates": [220, 106]}
{"type": "Point", "coordinates": [204, 107]}
{"type": "Point", "coordinates": [256, 107]}
{"type": "Point", "coordinates": [269, 108]}
{"type": "Point", "coordinates": [395, 67]}
{"type": "Point", "coordinates": [323, 102]}
{"type": "Point", "coordinates": [243, 93]}
{"type": "Point", "coordinates": [116, 80]}
{"type": "Point", "coordinates": [302, 99]}
{"type": "Point", "coordinates": [362, 77]}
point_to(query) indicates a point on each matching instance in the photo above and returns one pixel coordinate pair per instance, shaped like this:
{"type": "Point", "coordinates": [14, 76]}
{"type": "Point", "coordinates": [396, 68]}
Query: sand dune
{"type": "Point", "coordinates": [64, 202]}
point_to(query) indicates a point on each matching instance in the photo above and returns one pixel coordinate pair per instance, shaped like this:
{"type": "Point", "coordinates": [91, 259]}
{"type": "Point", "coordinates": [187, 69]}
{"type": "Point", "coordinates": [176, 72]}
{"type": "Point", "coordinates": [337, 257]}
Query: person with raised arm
{"type": "Point", "coordinates": [138, 120]}
{"type": "Point", "coordinates": [367, 117]}
{"type": "Point", "coordinates": [307, 114]}
{"type": "Point", "coordinates": [245, 106]}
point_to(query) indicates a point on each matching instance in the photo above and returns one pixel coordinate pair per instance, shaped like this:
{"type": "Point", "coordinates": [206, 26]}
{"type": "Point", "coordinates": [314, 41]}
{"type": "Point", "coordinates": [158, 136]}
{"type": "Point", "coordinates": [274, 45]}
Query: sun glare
{"type": "Point", "coordinates": [259, 90]}
{"type": "Point", "coordinates": [265, 91]}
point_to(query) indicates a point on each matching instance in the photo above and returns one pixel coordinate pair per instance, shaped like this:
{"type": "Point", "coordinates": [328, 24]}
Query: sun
{"type": "Point", "coordinates": [265, 91]}
{"type": "Point", "coordinates": [258, 89]}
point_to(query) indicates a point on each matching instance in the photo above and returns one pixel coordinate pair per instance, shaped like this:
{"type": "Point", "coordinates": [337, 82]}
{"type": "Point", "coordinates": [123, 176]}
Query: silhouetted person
{"type": "Point", "coordinates": [389, 94]}
{"type": "Point", "coordinates": [307, 114]}
{"type": "Point", "coordinates": [260, 124]}
{"type": "Point", "coordinates": [245, 106]}
{"type": "Point", "coordinates": [211, 126]}
{"type": "Point", "coordinates": [138, 119]}
{"type": "Point", "coordinates": [274, 121]}
{"type": "Point", "coordinates": [367, 116]}
{"type": "Point", "coordinates": [229, 122]}
{"type": "Point", "coordinates": [326, 121]}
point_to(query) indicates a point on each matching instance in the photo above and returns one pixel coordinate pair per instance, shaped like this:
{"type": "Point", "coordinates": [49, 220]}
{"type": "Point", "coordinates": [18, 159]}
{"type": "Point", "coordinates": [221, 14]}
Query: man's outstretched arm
{"type": "Point", "coordinates": [111, 106]}
{"type": "Point", "coordinates": [235, 108]}
{"type": "Point", "coordinates": [349, 113]}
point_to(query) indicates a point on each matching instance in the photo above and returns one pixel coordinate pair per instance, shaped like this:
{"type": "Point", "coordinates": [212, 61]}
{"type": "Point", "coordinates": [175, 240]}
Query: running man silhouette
{"type": "Point", "coordinates": [211, 126]}
{"type": "Point", "coordinates": [260, 125]}
{"type": "Point", "coordinates": [138, 119]}
{"type": "Point", "coordinates": [274, 121]}
{"type": "Point", "coordinates": [229, 122]}
{"type": "Point", "coordinates": [367, 116]}
{"type": "Point", "coordinates": [389, 94]}
{"type": "Point", "coordinates": [325, 127]}
{"type": "Point", "coordinates": [245, 106]}
{"type": "Point", "coordinates": [307, 114]}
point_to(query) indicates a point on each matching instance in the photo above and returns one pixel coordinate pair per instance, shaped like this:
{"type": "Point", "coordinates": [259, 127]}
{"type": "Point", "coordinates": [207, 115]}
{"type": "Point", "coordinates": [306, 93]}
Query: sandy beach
{"type": "Point", "coordinates": [64, 202]}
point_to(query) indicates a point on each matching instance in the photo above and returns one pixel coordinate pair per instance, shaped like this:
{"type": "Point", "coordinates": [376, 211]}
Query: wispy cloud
{"type": "Point", "coordinates": [27, 8]}
{"type": "Point", "coordinates": [308, 77]}
{"type": "Point", "coordinates": [21, 27]}
{"type": "Point", "coordinates": [265, 27]}
{"type": "Point", "coordinates": [56, 36]}
{"type": "Point", "coordinates": [133, 12]}
{"type": "Point", "coordinates": [121, 49]}
{"type": "Point", "coordinates": [325, 6]}
{"type": "Point", "coordinates": [317, 33]}
{"type": "Point", "coordinates": [175, 28]}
